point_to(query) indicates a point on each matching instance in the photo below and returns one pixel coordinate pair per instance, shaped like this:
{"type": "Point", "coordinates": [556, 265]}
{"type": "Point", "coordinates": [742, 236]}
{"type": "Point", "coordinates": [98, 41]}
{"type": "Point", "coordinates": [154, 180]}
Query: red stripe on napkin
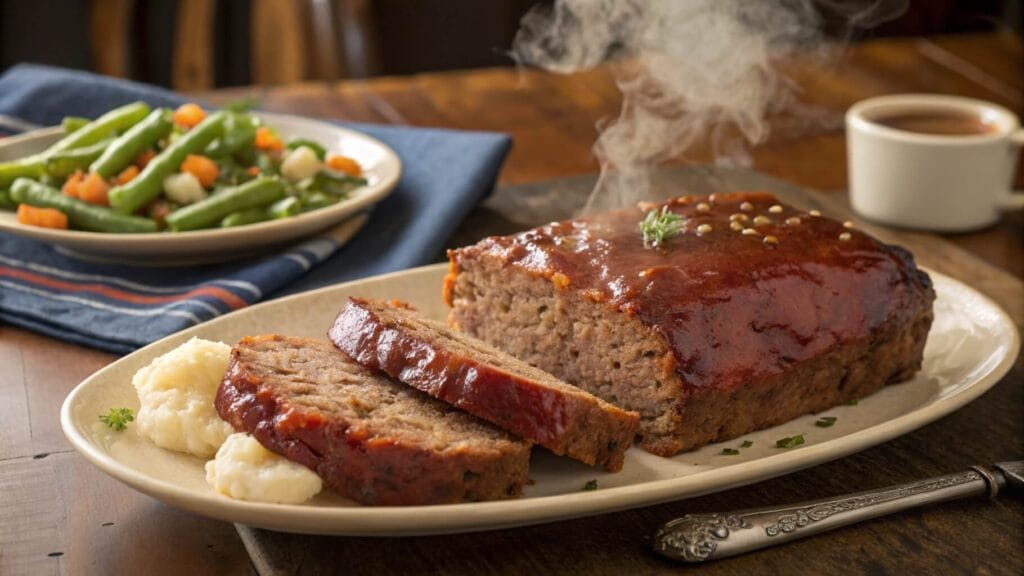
{"type": "Point", "coordinates": [225, 296]}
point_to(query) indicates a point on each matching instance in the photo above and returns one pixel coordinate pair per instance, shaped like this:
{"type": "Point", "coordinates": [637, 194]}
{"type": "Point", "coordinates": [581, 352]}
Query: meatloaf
{"type": "Point", "coordinates": [476, 377]}
{"type": "Point", "coordinates": [370, 438]}
{"type": "Point", "coordinates": [751, 314]}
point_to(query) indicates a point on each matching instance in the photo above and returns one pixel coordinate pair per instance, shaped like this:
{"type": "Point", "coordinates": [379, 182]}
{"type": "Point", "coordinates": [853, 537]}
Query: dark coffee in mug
{"type": "Point", "coordinates": [938, 121]}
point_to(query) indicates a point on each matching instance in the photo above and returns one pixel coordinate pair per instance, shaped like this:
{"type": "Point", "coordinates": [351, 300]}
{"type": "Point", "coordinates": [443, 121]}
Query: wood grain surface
{"type": "Point", "coordinates": [59, 515]}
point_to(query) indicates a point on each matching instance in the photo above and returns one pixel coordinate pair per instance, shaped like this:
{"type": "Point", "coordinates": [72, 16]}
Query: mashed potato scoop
{"type": "Point", "coordinates": [176, 393]}
{"type": "Point", "coordinates": [245, 470]}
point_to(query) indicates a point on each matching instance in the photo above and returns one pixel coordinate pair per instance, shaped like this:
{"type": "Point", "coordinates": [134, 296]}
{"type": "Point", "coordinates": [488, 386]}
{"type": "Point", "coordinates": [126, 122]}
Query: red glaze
{"type": "Point", "coordinates": [524, 407]}
{"type": "Point", "coordinates": [515, 404]}
{"type": "Point", "coordinates": [242, 403]}
{"type": "Point", "coordinates": [732, 307]}
{"type": "Point", "coordinates": [368, 467]}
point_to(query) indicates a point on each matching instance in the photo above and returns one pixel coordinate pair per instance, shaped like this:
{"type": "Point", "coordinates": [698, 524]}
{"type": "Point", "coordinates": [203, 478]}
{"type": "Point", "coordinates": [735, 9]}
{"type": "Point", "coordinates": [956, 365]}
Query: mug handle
{"type": "Point", "coordinates": [1014, 199]}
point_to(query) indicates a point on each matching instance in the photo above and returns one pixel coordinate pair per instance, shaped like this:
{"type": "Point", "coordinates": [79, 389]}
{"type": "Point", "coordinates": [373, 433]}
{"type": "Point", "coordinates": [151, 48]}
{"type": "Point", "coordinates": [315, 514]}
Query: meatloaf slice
{"type": "Point", "coordinates": [752, 314]}
{"type": "Point", "coordinates": [370, 438]}
{"type": "Point", "coordinates": [484, 381]}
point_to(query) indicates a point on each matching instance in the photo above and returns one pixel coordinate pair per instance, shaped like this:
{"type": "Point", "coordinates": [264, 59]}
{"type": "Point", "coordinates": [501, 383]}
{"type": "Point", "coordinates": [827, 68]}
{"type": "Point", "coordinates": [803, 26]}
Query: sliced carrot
{"type": "Point", "coordinates": [127, 175]}
{"type": "Point", "coordinates": [42, 217]}
{"type": "Point", "coordinates": [188, 115]}
{"type": "Point", "coordinates": [344, 164]}
{"type": "Point", "coordinates": [73, 184]}
{"type": "Point", "coordinates": [267, 140]}
{"type": "Point", "coordinates": [142, 159]}
{"type": "Point", "coordinates": [253, 170]}
{"type": "Point", "coordinates": [204, 169]}
{"type": "Point", "coordinates": [94, 190]}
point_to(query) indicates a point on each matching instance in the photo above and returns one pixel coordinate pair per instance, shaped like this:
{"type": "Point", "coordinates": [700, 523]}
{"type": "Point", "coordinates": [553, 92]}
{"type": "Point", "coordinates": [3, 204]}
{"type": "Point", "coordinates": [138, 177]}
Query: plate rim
{"type": "Point", "coordinates": [476, 516]}
{"type": "Point", "coordinates": [163, 240]}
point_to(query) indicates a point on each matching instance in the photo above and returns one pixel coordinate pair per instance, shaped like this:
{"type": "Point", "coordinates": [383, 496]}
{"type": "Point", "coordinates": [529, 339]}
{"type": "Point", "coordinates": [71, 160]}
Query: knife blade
{"type": "Point", "coordinates": [696, 538]}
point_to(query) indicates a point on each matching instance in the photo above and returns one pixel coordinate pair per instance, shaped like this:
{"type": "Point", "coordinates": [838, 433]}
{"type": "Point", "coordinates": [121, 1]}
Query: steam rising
{"type": "Point", "coordinates": [689, 71]}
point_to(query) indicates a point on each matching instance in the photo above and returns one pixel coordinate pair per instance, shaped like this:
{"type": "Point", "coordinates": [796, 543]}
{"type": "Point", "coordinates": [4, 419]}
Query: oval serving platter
{"type": "Point", "coordinates": [971, 346]}
{"type": "Point", "coordinates": [380, 164]}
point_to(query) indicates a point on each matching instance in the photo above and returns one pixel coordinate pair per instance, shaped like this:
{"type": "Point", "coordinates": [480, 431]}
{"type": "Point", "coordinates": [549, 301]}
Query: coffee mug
{"type": "Point", "coordinates": [933, 162]}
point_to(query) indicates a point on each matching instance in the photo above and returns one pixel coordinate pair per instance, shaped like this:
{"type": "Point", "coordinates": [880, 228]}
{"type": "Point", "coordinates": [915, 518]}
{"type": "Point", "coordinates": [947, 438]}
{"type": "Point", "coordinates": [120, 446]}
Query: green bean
{"type": "Point", "coordinates": [62, 164]}
{"type": "Point", "coordinates": [27, 167]}
{"type": "Point", "coordinates": [117, 120]}
{"type": "Point", "coordinates": [243, 217]}
{"type": "Point", "coordinates": [6, 203]}
{"type": "Point", "coordinates": [317, 200]}
{"type": "Point", "coordinates": [81, 214]}
{"type": "Point", "coordinates": [239, 133]}
{"type": "Point", "coordinates": [209, 211]}
{"type": "Point", "coordinates": [133, 142]}
{"type": "Point", "coordinates": [146, 186]}
{"type": "Point", "coordinates": [285, 208]}
{"type": "Point", "coordinates": [73, 123]}
{"type": "Point", "coordinates": [333, 183]}
{"type": "Point", "coordinates": [317, 149]}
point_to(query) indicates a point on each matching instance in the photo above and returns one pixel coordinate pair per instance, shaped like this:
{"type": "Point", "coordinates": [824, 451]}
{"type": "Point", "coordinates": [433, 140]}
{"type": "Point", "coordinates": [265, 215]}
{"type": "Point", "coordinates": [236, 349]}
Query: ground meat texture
{"type": "Point", "coordinates": [370, 438]}
{"type": "Point", "coordinates": [484, 381]}
{"type": "Point", "coordinates": [753, 314]}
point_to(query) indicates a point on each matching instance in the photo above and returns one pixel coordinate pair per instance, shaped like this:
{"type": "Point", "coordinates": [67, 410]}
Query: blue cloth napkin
{"type": "Point", "coordinates": [120, 308]}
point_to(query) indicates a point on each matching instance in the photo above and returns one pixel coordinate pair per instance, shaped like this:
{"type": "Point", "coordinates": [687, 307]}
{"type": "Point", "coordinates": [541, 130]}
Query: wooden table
{"type": "Point", "coordinates": [58, 514]}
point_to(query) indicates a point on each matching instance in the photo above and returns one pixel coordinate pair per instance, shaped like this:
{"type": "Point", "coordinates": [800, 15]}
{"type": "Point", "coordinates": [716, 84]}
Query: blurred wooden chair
{"type": "Point", "coordinates": [289, 41]}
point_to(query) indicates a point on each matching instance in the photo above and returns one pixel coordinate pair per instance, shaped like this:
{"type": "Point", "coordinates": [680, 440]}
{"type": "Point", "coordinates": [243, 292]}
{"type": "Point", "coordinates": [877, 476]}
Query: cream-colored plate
{"type": "Point", "coordinates": [380, 163]}
{"type": "Point", "coordinates": [971, 345]}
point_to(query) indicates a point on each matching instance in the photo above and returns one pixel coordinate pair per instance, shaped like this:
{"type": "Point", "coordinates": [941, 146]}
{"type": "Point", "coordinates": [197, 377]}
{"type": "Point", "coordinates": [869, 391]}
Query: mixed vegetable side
{"type": "Point", "coordinates": [137, 169]}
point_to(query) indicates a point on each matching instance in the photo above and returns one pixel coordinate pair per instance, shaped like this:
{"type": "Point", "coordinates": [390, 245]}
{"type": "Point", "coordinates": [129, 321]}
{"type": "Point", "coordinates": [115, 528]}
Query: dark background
{"type": "Point", "coordinates": [408, 36]}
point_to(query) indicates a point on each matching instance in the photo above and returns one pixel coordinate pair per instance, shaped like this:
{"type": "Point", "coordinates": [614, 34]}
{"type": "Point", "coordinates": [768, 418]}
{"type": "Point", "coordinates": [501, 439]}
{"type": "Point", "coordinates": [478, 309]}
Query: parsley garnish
{"type": "Point", "coordinates": [729, 451]}
{"type": "Point", "coordinates": [851, 402]}
{"type": "Point", "coordinates": [118, 418]}
{"type": "Point", "coordinates": [660, 226]}
{"type": "Point", "coordinates": [790, 442]}
{"type": "Point", "coordinates": [590, 485]}
{"type": "Point", "coordinates": [825, 421]}
{"type": "Point", "coordinates": [747, 444]}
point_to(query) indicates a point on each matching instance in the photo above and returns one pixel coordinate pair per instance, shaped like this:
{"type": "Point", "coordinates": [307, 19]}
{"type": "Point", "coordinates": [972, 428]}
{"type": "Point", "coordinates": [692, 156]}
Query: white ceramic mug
{"type": "Point", "coordinates": [946, 183]}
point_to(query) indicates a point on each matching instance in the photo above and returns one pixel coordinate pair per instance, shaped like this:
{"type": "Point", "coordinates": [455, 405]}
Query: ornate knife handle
{"type": "Point", "coordinates": [702, 537]}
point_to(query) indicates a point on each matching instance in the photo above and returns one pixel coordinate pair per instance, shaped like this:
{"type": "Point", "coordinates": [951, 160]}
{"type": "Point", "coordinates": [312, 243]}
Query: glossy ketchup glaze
{"type": "Point", "coordinates": [554, 417]}
{"type": "Point", "coordinates": [747, 287]}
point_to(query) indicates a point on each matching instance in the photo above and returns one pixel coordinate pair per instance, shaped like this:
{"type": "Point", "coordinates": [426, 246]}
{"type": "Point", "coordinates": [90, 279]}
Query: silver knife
{"type": "Point", "coordinates": [703, 537]}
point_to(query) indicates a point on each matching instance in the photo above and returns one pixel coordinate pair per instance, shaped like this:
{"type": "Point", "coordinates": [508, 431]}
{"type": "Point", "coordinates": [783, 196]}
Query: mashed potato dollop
{"type": "Point", "coordinates": [176, 394]}
{"type": "Point", "coordinates": [244, 469]}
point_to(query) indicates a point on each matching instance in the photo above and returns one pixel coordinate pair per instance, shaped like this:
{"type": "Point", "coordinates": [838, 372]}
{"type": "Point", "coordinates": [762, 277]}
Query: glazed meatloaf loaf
{"type": "Point", "coordinates": [370, 438]}
{"type": "Point", "coordinates": [748, 314]}
{"type": "Point", "coordinates": [476, 377]}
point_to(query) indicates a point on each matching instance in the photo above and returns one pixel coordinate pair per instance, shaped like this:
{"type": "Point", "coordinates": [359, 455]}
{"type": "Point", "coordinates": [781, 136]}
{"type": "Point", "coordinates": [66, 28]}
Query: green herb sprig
{"type": "Point", "coordinates": [790, 441]}
{"type": "Point", "coordinates": [118, 418]}
{"type": "Point", "coordinates": [734, 451]}
{"type": "Point", "coordinates": [590, 485]}
{"type": "Point", "coordinates": [658, 226]}
{"type": "Point", "coordinates": [826, 421]}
